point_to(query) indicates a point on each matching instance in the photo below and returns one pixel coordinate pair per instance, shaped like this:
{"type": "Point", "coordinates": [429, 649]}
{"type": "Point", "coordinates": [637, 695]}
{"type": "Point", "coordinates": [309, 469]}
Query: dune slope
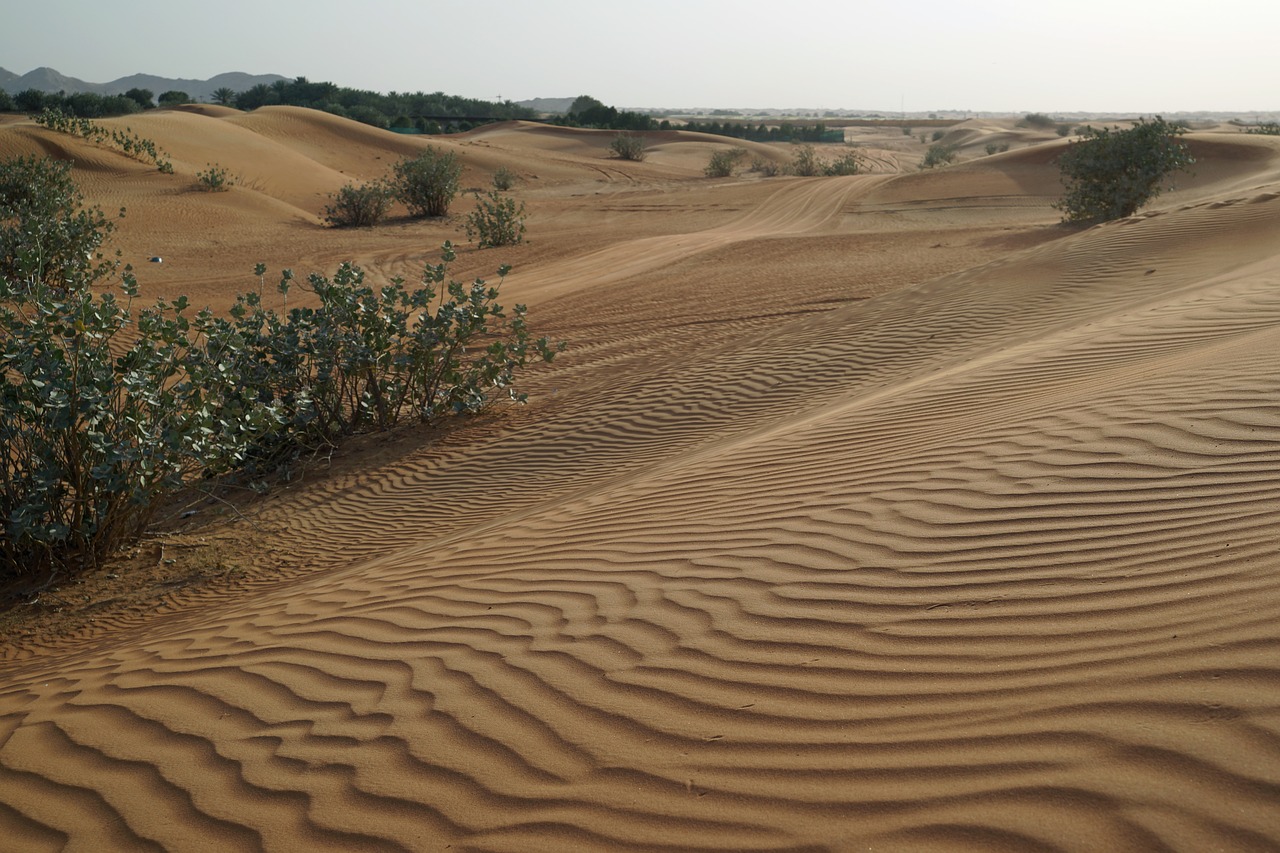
{"type": "Point", "coordinates": [981, 560]}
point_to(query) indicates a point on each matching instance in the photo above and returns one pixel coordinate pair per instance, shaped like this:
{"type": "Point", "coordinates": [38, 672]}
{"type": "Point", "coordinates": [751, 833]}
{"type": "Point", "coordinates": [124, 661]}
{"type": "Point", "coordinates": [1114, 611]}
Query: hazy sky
{"type": "Point", "coordinates": [1016, 55]}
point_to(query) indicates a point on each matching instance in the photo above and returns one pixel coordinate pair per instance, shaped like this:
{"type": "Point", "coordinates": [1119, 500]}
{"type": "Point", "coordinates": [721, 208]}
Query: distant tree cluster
{"type": "Point", "coordinates": [80, 104]}
{"type": "Point", "coordinates": [434, 113]}
{"type": "Point", "coordinates": [418, 110]}
{"type": "Point", "coordinates": [586, 111]}
{"type": "Point", "coordinates": [784, 132]}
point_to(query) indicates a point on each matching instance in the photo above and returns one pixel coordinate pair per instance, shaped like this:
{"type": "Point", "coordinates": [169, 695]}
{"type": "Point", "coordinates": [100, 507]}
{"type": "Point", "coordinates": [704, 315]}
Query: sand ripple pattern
{"type": "Point", "coordinates": [987, 564]}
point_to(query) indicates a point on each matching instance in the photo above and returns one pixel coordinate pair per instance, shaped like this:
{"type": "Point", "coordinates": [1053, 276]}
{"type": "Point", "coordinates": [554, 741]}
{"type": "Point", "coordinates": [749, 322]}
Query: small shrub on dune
{"type": "Point", "coordinates": [994, 148]}
{"type": "Point", "coordinates": [628, 146]}
{"type": "Point", "coordinates": [428, 183]}
{"type": "Point", "coordinates": [497, 221]}
{"type": "Point", "coordinates": [938, 134]}
{"type": "Point", "coordinates": [214, 179]}
{"type": "Point", "coordinates": [848, 163]}
{"type": "Point", "coordinates": [723, 162]}
{"type": "Point", "coordinates": [358, 206]}
{"type": "Point", "coordinates": [804, 162]}
{"type": "Point", "coordinates": [939, 154]}
{"type": "Point", "coordinates": [504, 179]}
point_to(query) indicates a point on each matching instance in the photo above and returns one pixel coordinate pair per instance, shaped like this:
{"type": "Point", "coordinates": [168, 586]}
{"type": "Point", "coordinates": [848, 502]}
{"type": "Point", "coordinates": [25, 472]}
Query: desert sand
{"type": "Point", "coordinates": [878, 512]}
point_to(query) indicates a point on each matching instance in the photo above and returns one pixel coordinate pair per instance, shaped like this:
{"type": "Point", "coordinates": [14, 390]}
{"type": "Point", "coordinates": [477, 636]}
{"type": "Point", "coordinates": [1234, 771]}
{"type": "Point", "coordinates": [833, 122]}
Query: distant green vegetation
{"type": "Point", "coordinates": [783, 132]}
{"type": "Point", "coordinates": [1267, 128]}
{"type": "Point", "coordinates": [126, 141]}
{"type": "Point", "coordinates": [433, 113]}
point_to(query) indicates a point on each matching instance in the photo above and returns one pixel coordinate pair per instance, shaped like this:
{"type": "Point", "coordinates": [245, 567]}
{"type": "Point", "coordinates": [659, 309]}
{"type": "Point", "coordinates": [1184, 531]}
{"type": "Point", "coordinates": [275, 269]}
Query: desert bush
{"type": "Point", "coordinates": [126, 141]}
{"type": "Point", "coordinates": [214, 179]}
{"type": "Point", "coordinates": [105, 409]}
{"type": "Point", "coordinates": [1112, 173]}
{"type": "Point", "coordinates": [765, 167]}
{"type": "Point", "coordinates": [937, 135]}
{"type": "Point", "coordinates": [1266, 128]}
{"type": "Point", "coordinates": [1038, 120]}
{"type": "Point", "coordinates": [47, 235]}
{"type": "Point", "coordinates": [805, 162]}
{"type": "Point", "coordinates": [939, 154]}
{"type": "Point", "coordinates": [100, 419]}
{"type": "Point", "coordinates": [628, 146]}
{"type": "Point", "coordinates": [497, 221]}
{"type": "Point", "coordinates": [906, 131]}
{"type": "Point", "coordinates": [173, 98]}
{"type": "Point", "coordinates": [504, 179]}
{"type": "Point", "coordinates": [848, 163]}
{"type": "Point", "coordinates": [994, 148]}
{"type": "Point", "coordinates": [358, 206]}
{"type": "Point", "coordinates": [428, 183]}
{"type": "Point", "coordinates": [723, 162]}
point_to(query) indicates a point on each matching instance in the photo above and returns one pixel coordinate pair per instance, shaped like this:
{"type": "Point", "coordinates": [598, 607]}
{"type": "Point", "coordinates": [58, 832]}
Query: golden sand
{"type": "Point", "coordinates": [867, 513]}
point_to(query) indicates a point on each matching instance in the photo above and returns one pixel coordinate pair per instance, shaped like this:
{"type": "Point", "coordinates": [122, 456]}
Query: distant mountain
{"type": "Point", "coordinates": [50, 80]}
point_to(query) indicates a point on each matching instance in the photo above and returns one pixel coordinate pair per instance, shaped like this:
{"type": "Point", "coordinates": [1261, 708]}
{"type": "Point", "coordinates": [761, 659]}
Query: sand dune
{"type": "Point", "coordinates": [868, 513]}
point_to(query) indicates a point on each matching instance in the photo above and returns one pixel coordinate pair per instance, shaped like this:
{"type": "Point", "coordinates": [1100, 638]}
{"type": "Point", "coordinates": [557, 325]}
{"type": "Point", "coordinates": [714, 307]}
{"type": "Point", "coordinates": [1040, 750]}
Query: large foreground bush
{"type": "Point", "coordinates": [1112, 173]}
{"type": "Point", "coordinates": [105, 407]}
{"type": "Point", "coordinates": [46, 234]}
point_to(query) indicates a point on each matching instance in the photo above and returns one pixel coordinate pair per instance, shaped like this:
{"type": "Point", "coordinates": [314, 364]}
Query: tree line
{"type": "Point", "coordinates": [429, 113]}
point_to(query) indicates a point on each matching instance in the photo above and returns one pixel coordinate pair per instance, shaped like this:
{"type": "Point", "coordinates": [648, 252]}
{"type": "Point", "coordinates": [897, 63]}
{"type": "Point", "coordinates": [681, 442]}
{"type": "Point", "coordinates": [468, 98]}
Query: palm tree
{"type": "Point", "coordinates": [224, 96]}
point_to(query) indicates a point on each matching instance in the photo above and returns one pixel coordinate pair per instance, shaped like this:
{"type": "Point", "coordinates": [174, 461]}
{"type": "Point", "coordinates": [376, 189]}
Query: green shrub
{"type": "Point", "coordinates": [504, 179]}
{"type": "Point", "coordinates": [358, 206]}
{"type": "Point", "coordinates": [428, 183]}
{"type": "Point", "coordinates": [214, 179]}
{"type": "Point", "coordinates": [848, 163]}
{"type": "Point", "coordinates": [628, 146]}
{"type": "Point", "coordinates": [1266, 128]}
{"type": "Point", "coordinates": [126, 141]}
{"type": "Point", "coordinates": [723, 162]}
{"type": "Point", "coordinates": [105, 409]}
{"type": "Point", "coordinates": [939, 154]}
{"type": "Point", "coordinates": [906, 131]}
{"type": "Point", "coordinates": [1038, 120]}
{"type": "Point", "coordinates": [938, 134]}
{"type": "Point", "coordinates": [765, 167]}
{"type": "Point", "coordinates": [46, 234]}
{"type": "Point", "coordinates": [496, 221]}
{"type": "Point", "coordinates": [101, 417]}
{"type": "Point", "coordinates": [805, 162]}
{"type": "Point", "coordinates": [993, 148]}
{"type": "Point", "coordinates": [1112, 173]}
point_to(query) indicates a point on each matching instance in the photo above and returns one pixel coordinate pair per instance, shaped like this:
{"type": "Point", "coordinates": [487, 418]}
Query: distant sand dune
{"type": "Point", "coordinates": [873, 513]}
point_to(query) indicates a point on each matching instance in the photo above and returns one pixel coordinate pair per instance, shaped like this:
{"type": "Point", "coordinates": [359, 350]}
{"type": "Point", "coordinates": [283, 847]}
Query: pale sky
{"type": "Point", "coordinates": [1137, 56]}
